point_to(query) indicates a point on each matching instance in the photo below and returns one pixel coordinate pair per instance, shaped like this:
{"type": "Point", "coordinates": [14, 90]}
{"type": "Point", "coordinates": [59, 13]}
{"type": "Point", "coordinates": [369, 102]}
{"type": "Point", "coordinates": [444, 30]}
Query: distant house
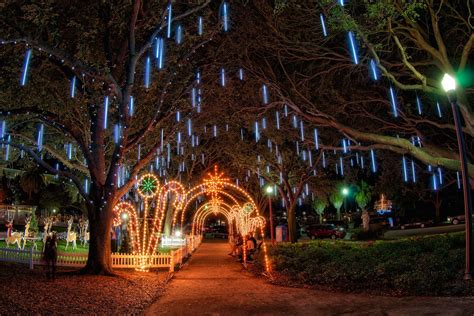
{"type": "Point", "coordinates": [17, 213]}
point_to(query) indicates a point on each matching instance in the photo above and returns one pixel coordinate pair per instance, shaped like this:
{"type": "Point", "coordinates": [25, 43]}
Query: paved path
{"type": "Point", "coordinates": [214, 284]}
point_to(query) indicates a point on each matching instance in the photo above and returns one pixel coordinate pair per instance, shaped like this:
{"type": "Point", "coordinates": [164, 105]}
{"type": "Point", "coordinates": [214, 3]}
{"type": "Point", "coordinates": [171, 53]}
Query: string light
{"type": "Point", "coordinates": [117, 133]}
{"type": "Point", "coordinates": [200, 26]}
{"type": "Point", "coordinates": [26, 66]}
{"type": "Point", "coordinates": [69, 151]}
{"type": "Point", "coordinates": [7, 148]}
{"type": "Point", "coordinates": [438, 108]}
{"type": "Point", "coordinates": [222, 77]}
{"type": "Point", "coordinates": [257, 133]}
{"type": "Point", "coordinates": [39, 139]}
{"type": "Point", "coordinates": [341, 166]}
{"type": "Point", "coordinates": [404, 166]}
{"type": "Point", "coordinates": [161, 53]}
{"type": "Point", "coordinates": [106, 111]}
{"type": "Point", "coordinates": [264, 94]}
{"type": "Point", "coordinates": [170, 17]}
{"type": "Point", "coordinates": [147, 72]}
{"type": "Point", "coordinates": [418, 105]}
{"type": "Point", "coordinates": [131, 106]}
{"type": "Point", "coordinates": [374, 71]}
{"type": "Point", "coordinates": [73, 87]}
{"type": "Point", "coordinates": [241, 74]}
{"type": "Point", "coordinates": [302, 130]}
{"type": "Point", "coordinates": [323, 25]}
{"type": "Point", "coordinates": [3, 128]}
{"type": "Point", "coordinates": [277, 117]}
{"type": "Point", "coordinates": [225, 16]}
{"type": "Point", "coordinates": [316, 140]}
{"type": "Point", "coordinates": [393, 101]}
{"type": "Point", "coordinates": [179, 34]}
{"type": "Point", "coordinates": [372, 160]}
{"type": "Point", "coordinates": [352, 42]}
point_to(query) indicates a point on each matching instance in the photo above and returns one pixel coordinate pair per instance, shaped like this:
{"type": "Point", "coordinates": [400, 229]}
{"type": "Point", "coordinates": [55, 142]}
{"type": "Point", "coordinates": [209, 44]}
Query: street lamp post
{"type": "Point", "coordinates": [345, 193]}
{"type": "Point", "coordinates": [449, 85]}
{"type": "Point", "coordinates": [269, 191]}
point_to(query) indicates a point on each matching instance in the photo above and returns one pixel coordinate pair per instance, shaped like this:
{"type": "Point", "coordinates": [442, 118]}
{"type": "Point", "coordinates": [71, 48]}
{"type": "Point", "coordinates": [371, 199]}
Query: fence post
{"type": "Point", "coordinates": [172, 261]}
{"type": "Point", "coordinates": [31, 258]}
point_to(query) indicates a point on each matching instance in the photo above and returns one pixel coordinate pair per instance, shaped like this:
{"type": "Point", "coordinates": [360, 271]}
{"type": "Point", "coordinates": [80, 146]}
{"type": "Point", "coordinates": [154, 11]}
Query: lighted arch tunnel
{"type": "Point", "coordinates": [239, 218]}
{"type": "Point", "coordinates": [210, 208]}
{"type": "Point", "coordinates": [228, 199]}
{"type": "Point", "coordinates": [215, 185]}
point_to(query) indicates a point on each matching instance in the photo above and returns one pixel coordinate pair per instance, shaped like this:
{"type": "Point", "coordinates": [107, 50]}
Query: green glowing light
{"type": "Point", "coordinates": [148, 186]}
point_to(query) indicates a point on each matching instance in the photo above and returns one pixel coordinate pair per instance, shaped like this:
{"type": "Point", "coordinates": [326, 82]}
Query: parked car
{"type": "Point", "coordinates": [457, 219]}
{"type": "Point", "coordinates": [417, 223]}
{"type": "Point", "coordinates": [337, 223]}
{"type": "Point", "coordinates": [325, 231]}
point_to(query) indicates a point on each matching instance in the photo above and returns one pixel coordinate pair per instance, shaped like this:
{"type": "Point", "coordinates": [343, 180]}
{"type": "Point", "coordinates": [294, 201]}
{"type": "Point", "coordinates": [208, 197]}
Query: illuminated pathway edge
{"type": "Point", "coordinates": [214, 284]}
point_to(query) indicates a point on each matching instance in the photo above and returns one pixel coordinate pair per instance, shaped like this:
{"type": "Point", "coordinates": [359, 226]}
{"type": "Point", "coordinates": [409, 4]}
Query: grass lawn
{"type": "Point", "coordinates": [61, 246]}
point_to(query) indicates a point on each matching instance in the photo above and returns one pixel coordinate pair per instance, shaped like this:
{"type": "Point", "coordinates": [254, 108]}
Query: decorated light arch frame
{"type": "Point", "coordinates": [192, 198]}
{"type": "Point", "coordinates": [202, 212]}
{"type": "Point", "coordinates": [145, 231]}
{"type": "Point", "coordinates": [237, 215]}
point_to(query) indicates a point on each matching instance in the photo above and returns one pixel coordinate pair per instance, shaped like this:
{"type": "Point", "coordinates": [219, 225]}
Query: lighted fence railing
{"type": "Point", "coordinates": [119, 260]}
{"type": "Point", "coordinates": [125, 260]}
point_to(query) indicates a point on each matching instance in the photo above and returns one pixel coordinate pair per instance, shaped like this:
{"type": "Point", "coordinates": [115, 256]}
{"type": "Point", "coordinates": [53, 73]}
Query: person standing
{"type": "Point", "coordinates": [113, 239]}
{"type": "Point", "coordinates": [51, 255]}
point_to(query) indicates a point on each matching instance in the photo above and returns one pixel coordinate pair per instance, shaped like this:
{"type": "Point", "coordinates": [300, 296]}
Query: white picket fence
{"type": "Point", "coordinates": [119, 260]}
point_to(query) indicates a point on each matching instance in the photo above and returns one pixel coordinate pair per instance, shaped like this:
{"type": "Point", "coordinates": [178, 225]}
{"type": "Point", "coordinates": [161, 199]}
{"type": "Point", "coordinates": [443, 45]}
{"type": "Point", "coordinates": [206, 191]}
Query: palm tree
{"type": "Point", "coordinates": [31, 182]}
{"type": "Point", "coordinates": [362, 198]}
{"type": "Point", "coordinates": [319, 206]}
{"type": "Point", "coordinates": [336, 198]}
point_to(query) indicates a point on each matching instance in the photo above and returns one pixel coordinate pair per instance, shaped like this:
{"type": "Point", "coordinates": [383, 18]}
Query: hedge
{"type": "Point", "coordinates": [418, 266]}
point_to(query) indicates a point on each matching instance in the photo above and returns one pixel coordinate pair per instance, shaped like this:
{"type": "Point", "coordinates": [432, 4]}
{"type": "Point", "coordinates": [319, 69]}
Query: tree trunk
{"type": "Point", "coordinates": [99, 260]}
{"type": "Point", "coordinates": [338, 214]}
{"type": "Point", "coordinates": [292, 232]}
{"type": "Point", "coordinates": [437, 204]}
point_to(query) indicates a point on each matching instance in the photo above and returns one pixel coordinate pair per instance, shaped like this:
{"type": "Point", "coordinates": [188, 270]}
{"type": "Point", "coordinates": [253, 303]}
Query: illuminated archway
{"type": "Point", "coordinates": [215, 185]}
{"type": "Point", "coordinates": [146, 230]}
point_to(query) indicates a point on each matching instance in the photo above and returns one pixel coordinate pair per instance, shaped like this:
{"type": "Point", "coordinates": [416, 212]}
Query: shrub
{"type": "Point", "coordinates": [360, 234]}
{"type": "Point", "coordinates": [416, 266]}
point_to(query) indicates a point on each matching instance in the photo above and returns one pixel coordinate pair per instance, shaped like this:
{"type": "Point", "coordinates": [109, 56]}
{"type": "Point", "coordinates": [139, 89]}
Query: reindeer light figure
{"type": "Point", "coordinates": [83, 226]}
{"type": "Point", "coordinates": [26, 234]}
{"type": "Point", "coordinates": [71, 235]}
{"type": "Point", "coordinates": [12, 237]}
{"type": "Point", "coordinates": [48, 224]}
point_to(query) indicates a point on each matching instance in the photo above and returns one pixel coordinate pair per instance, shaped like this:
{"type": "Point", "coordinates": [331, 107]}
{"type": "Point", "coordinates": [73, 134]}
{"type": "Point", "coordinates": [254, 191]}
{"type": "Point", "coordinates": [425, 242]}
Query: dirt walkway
{"type": "Point", "coordinates": [214, 284]}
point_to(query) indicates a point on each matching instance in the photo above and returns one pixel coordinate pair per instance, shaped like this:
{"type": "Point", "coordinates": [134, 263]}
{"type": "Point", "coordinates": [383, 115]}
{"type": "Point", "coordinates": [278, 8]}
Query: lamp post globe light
{"type": "Point", "coordinates": [449, 86]}
{"type": "Point", "coordinates": [448, 83]}
{"type": "Point", "coordinates": [269, 192]}
{"type": "Point", "coordinates": [345, 191]}
{"type": "Point", "coordinates": [269, 189]}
